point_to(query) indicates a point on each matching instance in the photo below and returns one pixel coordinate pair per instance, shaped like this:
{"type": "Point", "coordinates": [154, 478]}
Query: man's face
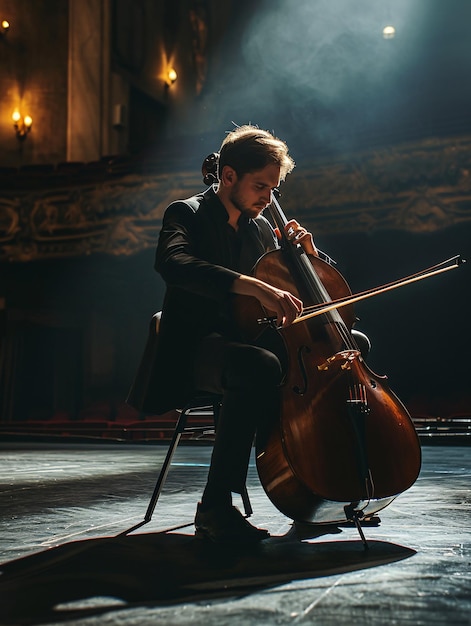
{"type": "Point", "coordinates": [251, 193]}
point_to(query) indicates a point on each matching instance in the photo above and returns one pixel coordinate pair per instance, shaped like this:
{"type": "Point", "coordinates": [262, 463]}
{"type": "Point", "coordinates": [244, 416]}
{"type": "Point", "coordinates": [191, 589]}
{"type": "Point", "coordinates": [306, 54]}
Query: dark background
{"type": "Point", "coordinates": [321, 76]}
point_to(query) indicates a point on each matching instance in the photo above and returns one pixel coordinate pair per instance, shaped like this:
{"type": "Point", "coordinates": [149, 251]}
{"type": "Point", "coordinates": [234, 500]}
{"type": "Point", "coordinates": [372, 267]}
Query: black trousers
{"type": "Point", "coordinates": [248, 377]}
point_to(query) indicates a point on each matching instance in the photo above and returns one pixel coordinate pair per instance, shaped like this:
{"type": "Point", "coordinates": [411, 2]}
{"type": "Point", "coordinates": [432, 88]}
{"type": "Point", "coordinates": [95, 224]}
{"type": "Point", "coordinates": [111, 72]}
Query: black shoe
{"type": "Point", "coordinates": [226, 524]}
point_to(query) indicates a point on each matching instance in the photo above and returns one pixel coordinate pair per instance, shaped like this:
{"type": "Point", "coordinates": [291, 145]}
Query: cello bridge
{"type": "Point", "coordinates": [345, 357]}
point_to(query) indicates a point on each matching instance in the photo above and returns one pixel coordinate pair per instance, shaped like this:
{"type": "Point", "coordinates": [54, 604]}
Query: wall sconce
{"type": "Point", "coordinates": [4, 27]}
{"type": "Point", "coordinates": [22, 125]}
{"type": "Point", "coordinates": [171, 77]}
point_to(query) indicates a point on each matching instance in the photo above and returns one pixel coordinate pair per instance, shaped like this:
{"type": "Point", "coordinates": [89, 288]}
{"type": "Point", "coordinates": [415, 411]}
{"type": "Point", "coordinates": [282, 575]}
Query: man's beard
{"type": "Point", "coordinates": [250, 212]}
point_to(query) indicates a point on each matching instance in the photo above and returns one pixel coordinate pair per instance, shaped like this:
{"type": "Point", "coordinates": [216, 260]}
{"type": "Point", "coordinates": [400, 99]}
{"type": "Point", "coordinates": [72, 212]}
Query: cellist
{"type": "Point", "coordinates": [207, 248]}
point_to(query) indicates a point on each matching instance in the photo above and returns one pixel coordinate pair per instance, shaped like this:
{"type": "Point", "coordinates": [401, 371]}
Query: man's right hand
{"type": "Point", "coordinates": [281, 303]}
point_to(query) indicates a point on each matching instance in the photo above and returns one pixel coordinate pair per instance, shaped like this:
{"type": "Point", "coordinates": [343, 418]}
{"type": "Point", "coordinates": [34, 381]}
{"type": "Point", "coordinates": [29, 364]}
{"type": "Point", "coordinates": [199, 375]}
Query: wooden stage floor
{"type": "Point", "coordinates": [64, 560]}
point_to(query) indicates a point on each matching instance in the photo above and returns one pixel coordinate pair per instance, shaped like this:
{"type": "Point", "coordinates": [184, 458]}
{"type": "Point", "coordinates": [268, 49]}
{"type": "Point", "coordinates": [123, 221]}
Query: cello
{"type": "Point", "coordinates": [343, 446]}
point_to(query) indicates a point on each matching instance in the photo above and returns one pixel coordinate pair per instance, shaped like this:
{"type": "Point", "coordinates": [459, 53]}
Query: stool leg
{"type": "Point", "coordinates": [246, 502]}
{"type": "Point", "coordinates": [179, 428]}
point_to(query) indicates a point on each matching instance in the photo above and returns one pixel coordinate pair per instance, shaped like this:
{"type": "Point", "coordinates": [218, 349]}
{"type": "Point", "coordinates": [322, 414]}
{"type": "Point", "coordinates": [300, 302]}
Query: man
{"type": "Point", "coordinates": [207, 248]}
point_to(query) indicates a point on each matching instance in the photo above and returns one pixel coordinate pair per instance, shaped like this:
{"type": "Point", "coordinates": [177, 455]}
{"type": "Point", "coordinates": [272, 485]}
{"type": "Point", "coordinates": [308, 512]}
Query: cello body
{"type": "Point", "coordinates": [343, 446]}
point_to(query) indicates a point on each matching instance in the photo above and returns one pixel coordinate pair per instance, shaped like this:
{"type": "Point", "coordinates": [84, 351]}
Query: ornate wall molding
{"type": "Point", "coordinates": [118, 217]}
{"type": "Point", "coordinates": [420, 187]}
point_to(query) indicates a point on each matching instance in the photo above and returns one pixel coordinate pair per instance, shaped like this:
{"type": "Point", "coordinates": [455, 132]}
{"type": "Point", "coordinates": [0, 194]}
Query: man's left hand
{"type": "Point", "coordinates": [297, 234]}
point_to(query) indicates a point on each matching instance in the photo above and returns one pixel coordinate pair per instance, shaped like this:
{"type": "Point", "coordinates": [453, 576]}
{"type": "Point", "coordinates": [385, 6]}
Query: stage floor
{"type": "Point", "coordinates": [63, 508]}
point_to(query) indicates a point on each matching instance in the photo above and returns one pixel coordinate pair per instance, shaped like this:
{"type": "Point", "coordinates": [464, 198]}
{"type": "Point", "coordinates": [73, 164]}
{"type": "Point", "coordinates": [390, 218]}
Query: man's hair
{"type": "Point", "coordinates": [248, 149]}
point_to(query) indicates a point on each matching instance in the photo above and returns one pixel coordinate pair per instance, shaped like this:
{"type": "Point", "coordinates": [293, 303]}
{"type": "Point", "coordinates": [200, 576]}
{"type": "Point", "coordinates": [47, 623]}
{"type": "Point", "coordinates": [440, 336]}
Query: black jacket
{"type": "Point", "coordinates": [194, 258]}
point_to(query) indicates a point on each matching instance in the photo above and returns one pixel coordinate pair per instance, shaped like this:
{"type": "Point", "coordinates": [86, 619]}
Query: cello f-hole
{"type": "Point", "coordinates": [301, 351]}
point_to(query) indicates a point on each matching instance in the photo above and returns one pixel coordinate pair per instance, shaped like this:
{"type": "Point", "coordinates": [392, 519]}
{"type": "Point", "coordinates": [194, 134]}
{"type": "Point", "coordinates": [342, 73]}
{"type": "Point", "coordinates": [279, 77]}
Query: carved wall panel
{"type": "Point", "coordinates": [421, 187]}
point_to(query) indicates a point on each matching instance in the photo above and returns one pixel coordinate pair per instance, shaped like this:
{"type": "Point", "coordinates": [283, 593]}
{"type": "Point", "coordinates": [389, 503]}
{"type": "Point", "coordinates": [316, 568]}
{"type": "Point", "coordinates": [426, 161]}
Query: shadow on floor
{"type": "Point", "coordinates": [169, 568]}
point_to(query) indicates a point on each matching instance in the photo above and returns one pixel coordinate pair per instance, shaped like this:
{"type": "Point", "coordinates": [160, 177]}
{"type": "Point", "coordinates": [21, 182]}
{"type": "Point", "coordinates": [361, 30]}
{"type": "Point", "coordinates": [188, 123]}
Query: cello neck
{"type": "Point", "coordinates": [312, 284]}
